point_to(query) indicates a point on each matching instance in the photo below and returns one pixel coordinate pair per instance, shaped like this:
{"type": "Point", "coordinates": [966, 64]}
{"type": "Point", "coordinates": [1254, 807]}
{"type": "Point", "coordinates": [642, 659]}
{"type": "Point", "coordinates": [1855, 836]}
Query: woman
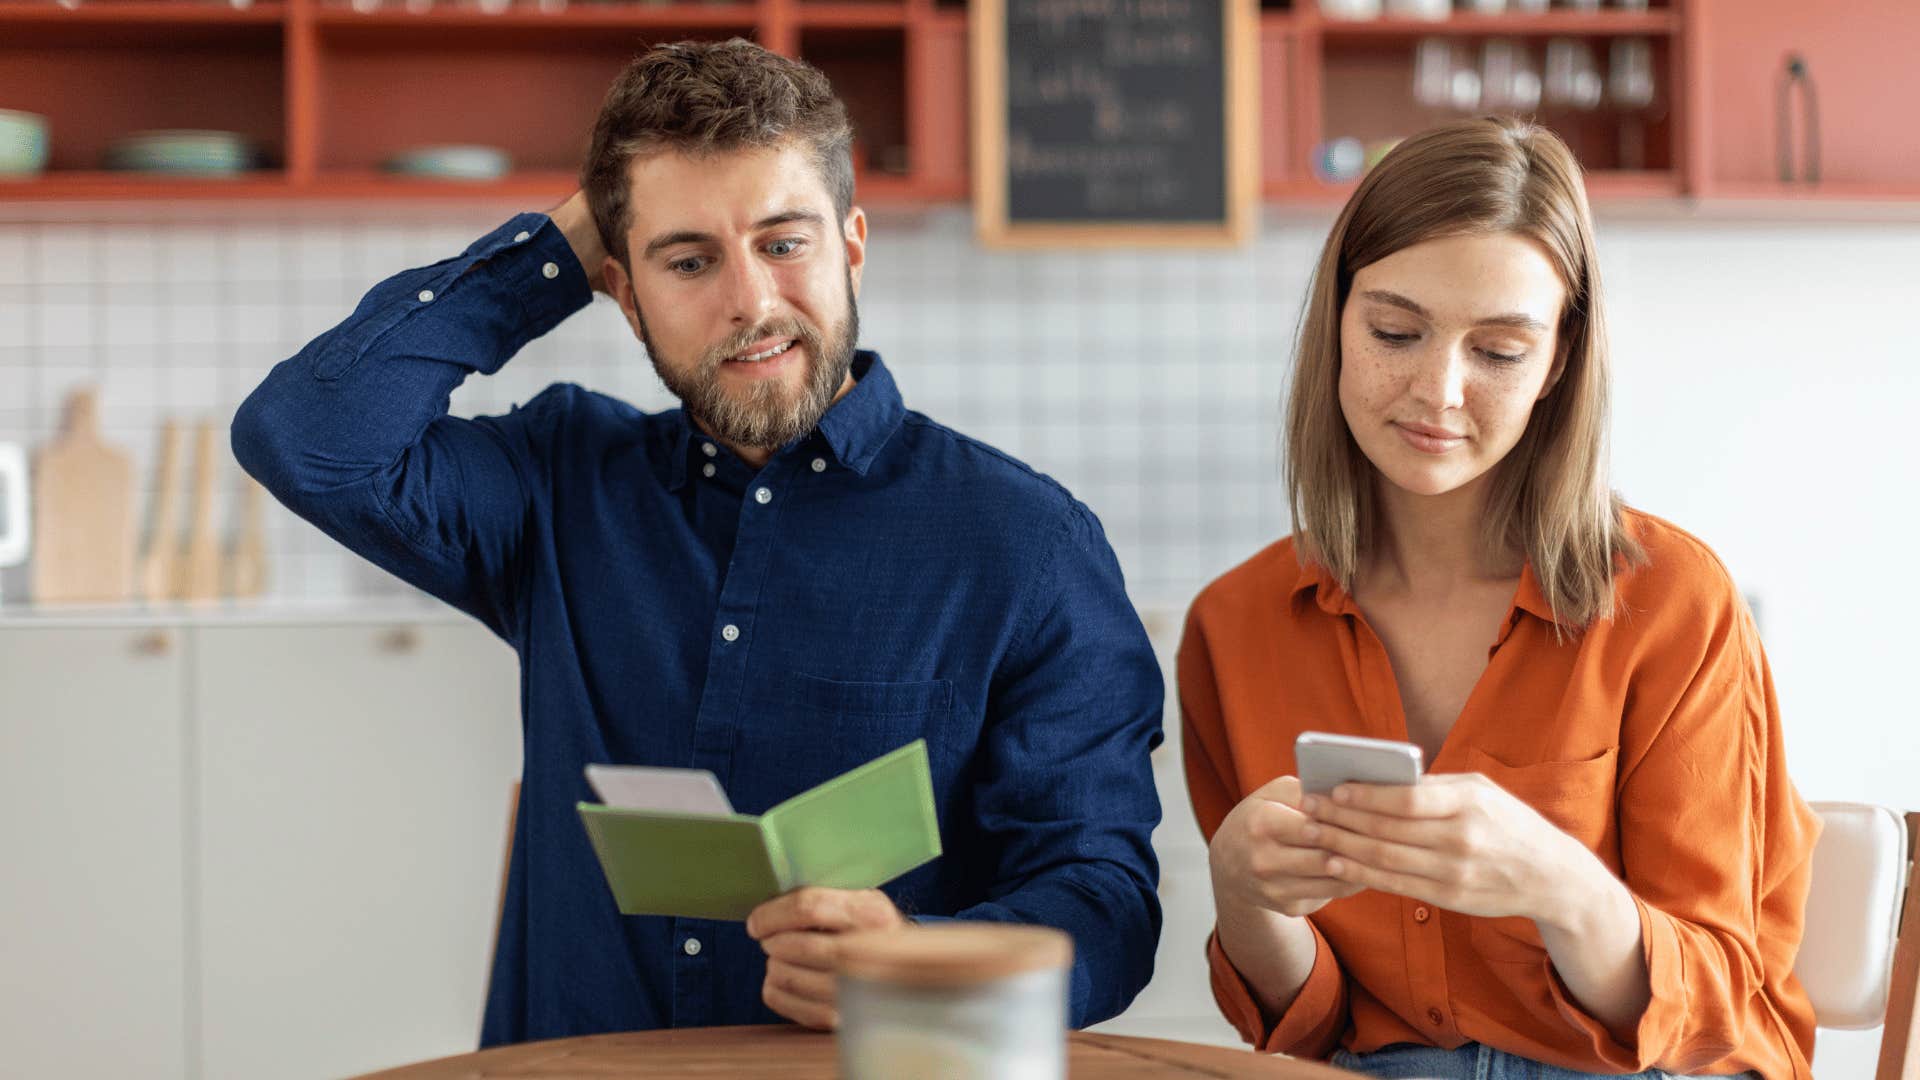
{"type": "Point", "coordinates": [1605, 869]}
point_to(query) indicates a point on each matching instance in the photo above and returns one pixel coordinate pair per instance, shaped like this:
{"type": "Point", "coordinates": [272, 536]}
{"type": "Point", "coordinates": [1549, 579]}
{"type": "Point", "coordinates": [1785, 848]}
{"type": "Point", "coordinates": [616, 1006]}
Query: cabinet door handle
{"type": "Point", "coordinates": [153, 643]}
{"type": "Point", "coordinates": [400, 641]}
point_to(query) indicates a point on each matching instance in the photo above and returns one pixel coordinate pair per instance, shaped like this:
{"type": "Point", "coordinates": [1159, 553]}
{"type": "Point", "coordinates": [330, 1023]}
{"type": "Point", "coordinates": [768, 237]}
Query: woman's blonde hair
{"type": "Point", "coordinates": [1550, 498]}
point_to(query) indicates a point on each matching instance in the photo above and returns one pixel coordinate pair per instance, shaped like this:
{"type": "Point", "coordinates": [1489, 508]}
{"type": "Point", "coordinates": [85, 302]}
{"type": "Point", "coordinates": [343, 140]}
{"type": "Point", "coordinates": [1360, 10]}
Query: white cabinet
{"type": "Point", "coordinates": [354, 787]}
{"type": "Point", "coordinates": [94, 903]}
{"type": "Point", "coordinates": [238, 847]}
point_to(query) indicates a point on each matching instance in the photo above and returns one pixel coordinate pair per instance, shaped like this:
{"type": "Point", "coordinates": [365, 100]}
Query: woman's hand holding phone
{"type": "Point", "coordinates": [1259, 858]}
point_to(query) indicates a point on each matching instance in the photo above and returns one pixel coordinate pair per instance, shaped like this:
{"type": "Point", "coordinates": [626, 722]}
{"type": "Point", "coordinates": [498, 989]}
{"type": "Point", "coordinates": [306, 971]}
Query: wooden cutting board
{"type": "Point", "coordinates": [247, 560]}
{"type": "Point", "coordinates": [158, 578]}
{"type": "Point", "coordinates": [200, 561]}
{"type": "Point", "coordinates": [82, 513]}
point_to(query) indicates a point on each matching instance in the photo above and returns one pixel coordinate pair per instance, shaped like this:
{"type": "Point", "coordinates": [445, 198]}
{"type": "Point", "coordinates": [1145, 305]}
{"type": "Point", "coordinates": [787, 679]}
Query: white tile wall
{"type": "Point", "coordinates": [1148, 383]}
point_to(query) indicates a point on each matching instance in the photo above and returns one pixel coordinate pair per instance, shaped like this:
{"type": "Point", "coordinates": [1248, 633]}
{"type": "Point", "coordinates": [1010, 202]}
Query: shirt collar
{"type": "Point", "coordinates": [854, 428]}
{"type": "Point", "coordinates": [1334, 600]}
{"type": "Point", "coordinates": [859, 424]}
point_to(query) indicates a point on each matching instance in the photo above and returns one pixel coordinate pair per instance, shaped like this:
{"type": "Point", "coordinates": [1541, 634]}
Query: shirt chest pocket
{"type": "Point", "coordinates": [1576, 797]}
{"type": "Point", "coordinates": [809, 728]}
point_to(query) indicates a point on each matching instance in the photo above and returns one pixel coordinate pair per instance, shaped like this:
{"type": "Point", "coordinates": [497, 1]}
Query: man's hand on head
{"type": "Point", "coordinates": [798, 931]}
{"type": "Point", "coordinates": [575, 220]}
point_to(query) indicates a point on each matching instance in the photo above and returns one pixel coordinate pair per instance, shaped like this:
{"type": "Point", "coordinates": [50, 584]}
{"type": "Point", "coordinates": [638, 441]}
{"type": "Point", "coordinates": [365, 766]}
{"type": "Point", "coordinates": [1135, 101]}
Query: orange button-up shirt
{"type": "Point", "coordinates": [1652, 737]}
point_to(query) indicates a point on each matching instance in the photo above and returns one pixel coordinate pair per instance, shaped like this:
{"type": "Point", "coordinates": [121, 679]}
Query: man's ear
{"type": "Point", "coordinates": [622, 289]}
{"type": "Point", "coordinates": [854, 231]}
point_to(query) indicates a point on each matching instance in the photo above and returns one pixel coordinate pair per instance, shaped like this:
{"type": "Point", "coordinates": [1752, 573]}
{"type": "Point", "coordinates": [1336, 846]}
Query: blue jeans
{"type": "Point", "coordinates": [1473, 1061]}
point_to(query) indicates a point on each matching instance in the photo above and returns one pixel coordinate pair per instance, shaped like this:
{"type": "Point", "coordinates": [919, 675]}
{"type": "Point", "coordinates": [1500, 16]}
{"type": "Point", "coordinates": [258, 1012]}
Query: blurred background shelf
{"type": "Point", "coordinates": [329, 92]}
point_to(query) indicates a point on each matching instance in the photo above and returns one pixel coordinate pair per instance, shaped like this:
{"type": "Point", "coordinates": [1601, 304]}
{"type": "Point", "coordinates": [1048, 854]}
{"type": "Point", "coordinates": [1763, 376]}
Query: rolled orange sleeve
{"type": "Point", "coordinates": [1310, 1027]}
{"type": "Point", "coordinates": [1716, 847]}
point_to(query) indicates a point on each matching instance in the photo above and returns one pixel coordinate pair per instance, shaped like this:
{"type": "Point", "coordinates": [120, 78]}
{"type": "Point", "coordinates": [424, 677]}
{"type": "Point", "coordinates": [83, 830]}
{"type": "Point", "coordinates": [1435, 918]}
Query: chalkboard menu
{"type": "Point", "coordinates": [1113, 121]}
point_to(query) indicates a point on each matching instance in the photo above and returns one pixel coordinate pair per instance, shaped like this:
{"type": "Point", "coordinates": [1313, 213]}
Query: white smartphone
{"type": "Point", "coordinates": [1327, 761]}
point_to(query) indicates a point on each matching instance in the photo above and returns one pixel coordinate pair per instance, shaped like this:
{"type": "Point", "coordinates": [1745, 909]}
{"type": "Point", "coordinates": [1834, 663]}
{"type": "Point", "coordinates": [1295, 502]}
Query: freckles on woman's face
{"type": "Point", "coordinates": [1445, 347]}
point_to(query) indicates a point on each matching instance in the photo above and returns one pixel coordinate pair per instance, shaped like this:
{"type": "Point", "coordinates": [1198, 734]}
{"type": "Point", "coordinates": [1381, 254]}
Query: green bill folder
{"type": "Point", "coordinates": [858, 830]}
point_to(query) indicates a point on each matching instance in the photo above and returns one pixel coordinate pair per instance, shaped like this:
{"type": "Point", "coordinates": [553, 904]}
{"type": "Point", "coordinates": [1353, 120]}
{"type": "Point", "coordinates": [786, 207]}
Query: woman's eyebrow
{"type": "Point", "coordinates": [1517, 320]}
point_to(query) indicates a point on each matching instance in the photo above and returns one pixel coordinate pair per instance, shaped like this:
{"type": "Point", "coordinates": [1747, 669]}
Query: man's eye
{"type": "Point", "coordinates": [784, 247]}
{"type": "Point", "coordinates": [690, 265]}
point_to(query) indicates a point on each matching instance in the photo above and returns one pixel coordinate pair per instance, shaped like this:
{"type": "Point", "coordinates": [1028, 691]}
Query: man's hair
{"type": "Point", "coordinates": [1550, 499]}
{"type": "Point", "coordinates": [704, 97]}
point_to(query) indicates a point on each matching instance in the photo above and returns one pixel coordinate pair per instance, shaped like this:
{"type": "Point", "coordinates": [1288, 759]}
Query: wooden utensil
{"type": "Point", "coordinates": [159, 571]}
{"type": "Point", "coordinates": [200, 569]}
{"type": "Point", "coordinates": [247, 561]}
{"type": "Point", "coordinates": [83, 512]}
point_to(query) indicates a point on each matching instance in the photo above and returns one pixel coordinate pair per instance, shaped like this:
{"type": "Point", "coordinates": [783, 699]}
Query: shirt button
{"type": "Point", "coordinates": [819, 464]}
{"type": "Point", "coordinates": [707, 469]}
{"type": "Point", "coordinates": [550, 271]}
{"type": "Point", "coordinates": [709, 449]}
{"type": "Point", "coordinates": [426, 296]}
{"type": "Point", "coordinates": [1421, 914]}
{"type": "Point", "coordinates": [763, 496]}
{"type": "Point", "coordinates": [730, 632]}
{"type": "Point", "coordinates": [691, 946]}
{"type": "Point", "coordinates": [521, 237]}
{"type": "Point", "coordinates": [1435, 1016]}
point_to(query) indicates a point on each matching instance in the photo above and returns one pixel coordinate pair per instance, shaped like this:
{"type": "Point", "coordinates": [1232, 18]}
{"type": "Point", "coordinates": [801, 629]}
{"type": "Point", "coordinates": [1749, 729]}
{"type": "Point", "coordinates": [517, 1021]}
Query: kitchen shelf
{"type": "Point", "coordinates": [517, 20]}
{"type": "Point", "coordinates": [1466, 24]}
{"type": "Point", "coordinates": [330, 92]}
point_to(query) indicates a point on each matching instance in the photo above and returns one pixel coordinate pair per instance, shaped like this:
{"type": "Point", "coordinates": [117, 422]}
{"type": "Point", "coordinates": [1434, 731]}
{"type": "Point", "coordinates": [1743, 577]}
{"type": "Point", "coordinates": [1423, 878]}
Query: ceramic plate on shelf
{"type": "Point", "coordinates": [183, 152]}
{"type": "Point", "coordinates": [23, 143]}
{"type": "Point", "coordinates": [451, 162]}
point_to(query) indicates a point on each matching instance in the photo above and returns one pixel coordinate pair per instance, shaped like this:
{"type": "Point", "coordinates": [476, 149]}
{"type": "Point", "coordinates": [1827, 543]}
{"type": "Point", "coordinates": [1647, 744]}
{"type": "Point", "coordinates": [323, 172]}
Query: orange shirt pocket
{"type": "Point", "coordinates": [1577, 798]}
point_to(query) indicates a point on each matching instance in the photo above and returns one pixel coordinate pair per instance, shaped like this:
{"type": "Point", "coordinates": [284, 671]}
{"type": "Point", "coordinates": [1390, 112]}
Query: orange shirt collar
{"type": "Point", "coordinates": [1334, 600]}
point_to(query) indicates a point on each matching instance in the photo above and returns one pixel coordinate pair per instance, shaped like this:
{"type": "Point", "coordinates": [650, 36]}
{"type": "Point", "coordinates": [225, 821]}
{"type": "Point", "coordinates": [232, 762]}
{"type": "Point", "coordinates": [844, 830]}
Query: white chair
{"type": "Point", "coordinates": [1860, 957]}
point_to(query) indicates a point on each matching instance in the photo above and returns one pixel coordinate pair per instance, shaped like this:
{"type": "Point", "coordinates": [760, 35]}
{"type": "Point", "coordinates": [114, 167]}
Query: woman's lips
{"type": "Point", "coordinates": [1429, 440]}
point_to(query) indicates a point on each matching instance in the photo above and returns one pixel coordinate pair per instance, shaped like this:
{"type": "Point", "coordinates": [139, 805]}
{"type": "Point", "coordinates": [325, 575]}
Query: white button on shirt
{"type": "Point", "coordinates": [707, 470]}
{"type": "Point", "coordinates": [550, 271]}
{"type": "Point", "coordinates": [691, 946]}
{"type": "Point", "coordinates": [730, 632]}
{"type": "Point", "coordinates": [819, 464]}
{"type": "Point", "coordinates": [763, 496]}
{"type": "Point", "coordinates": [708, 449]}
{"type": "Point", "coordinates": [521, 237]}
{"type": "Point", "coordinates": [426, 296]}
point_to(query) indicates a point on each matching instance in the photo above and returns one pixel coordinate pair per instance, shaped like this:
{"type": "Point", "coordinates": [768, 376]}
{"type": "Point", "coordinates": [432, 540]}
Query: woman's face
{"type": "Point", "coordinates": [1445, 347]}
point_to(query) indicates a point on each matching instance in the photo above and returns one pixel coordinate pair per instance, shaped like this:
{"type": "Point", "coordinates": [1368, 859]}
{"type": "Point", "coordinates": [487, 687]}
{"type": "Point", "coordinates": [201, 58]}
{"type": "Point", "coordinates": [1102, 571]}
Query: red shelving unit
{"type": "Point", "coordinates": [330, 92]}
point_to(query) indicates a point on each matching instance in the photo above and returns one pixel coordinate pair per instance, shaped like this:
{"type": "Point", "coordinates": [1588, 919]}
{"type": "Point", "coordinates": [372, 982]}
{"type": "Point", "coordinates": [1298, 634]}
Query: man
{"type": "Point", "coordinates": [781, 580]}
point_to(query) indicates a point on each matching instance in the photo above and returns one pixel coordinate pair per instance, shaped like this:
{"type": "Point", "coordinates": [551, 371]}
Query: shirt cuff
{"type": "Point", "coordinates": [1311, 1026]}
{"type": "Point", "coordinates": [1660, 1025]}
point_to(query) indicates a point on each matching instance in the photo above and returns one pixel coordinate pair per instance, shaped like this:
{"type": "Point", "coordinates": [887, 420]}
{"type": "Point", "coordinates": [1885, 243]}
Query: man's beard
{"type": "Point", "coordinates": [768, 415]}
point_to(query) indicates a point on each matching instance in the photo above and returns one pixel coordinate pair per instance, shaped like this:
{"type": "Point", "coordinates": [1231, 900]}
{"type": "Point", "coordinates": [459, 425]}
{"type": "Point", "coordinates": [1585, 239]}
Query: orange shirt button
{"type": "Point", "coordinates": [1434, 1015]}
{"type": "Point", "coordinates": [1421, 914]}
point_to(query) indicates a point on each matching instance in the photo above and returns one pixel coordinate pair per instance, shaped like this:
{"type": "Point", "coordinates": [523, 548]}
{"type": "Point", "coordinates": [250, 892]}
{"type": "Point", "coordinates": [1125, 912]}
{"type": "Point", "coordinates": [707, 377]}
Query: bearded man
{"type": "Point", "coordinates": [782, 579]}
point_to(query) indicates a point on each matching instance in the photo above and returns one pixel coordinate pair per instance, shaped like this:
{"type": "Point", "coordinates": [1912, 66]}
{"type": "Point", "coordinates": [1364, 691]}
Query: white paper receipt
{"type": "Point", "coordinates": [642, 787]}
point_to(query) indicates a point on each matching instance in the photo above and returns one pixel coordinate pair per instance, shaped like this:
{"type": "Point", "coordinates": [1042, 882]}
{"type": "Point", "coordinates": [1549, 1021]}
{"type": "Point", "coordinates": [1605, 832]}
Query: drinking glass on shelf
{"type": "Point", "coordinates": [1630, 73]}
{"type": "Point", "coordinates": [1432, 72]}
{"type": "Point", "coordinates": [1463, 84]}
{"type": "Point", "coordinates": [1572, 78]}
{"type": "Point", "coordinates": [1498, 59]}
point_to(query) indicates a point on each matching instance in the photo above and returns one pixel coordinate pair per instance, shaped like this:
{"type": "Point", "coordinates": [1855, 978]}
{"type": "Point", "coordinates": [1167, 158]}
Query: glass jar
{"type": "Point", "coordinates": [954, 1001]}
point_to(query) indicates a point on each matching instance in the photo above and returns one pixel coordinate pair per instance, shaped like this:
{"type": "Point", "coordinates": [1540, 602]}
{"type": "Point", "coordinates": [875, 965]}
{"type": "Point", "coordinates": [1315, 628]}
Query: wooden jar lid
{"type": "Point", "coordinates": [952, 954]}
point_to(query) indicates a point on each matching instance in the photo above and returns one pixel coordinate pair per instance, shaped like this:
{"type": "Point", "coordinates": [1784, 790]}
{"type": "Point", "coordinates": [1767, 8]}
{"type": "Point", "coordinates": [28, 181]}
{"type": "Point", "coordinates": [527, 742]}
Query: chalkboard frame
{"type": "Point", "coordinates": [1240, 90]}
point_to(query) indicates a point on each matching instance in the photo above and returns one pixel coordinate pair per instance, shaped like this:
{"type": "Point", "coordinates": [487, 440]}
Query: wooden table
{"type": "Point", "coordinates": [791, 1053]}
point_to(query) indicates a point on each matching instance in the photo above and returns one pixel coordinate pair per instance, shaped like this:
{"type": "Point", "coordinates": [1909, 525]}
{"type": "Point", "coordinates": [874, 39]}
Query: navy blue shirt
{"type": "Point", "coordinates": [880, 580]}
